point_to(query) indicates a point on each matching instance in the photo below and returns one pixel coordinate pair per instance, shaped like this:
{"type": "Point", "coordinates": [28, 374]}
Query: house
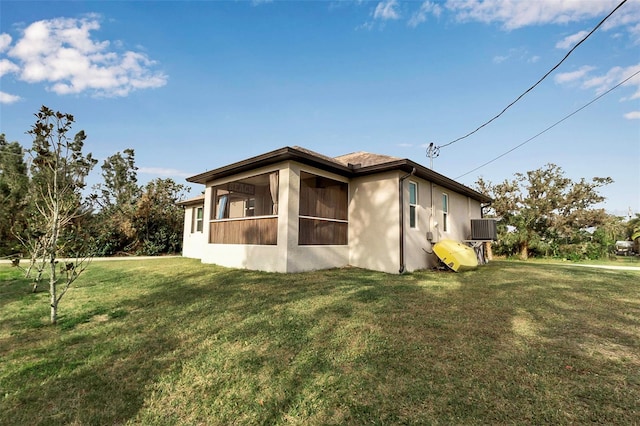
{"type": "Point", "coordinates": [293, 209]}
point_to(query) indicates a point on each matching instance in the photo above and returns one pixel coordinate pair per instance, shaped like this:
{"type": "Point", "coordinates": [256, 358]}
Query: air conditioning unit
{"type": "Point", "coordinates": [484, 229]}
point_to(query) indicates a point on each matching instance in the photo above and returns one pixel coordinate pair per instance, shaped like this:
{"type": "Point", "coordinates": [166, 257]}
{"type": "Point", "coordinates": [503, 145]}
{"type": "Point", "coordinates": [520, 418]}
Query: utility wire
{"type": "Point", "coordinates": [539, 81]}
{"type": "Point", "coordinates": [553, 125]}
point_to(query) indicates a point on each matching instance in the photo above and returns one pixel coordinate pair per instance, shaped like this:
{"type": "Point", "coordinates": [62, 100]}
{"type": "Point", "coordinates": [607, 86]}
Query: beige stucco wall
{"type": "Point", "coordinates": [192, 242]}
{"type": "Point", "coordinates": [418, 251]}
{"type": "Point", "coordinates": [461, 210]}
{"type": "Point", "coordinates": [417, 246]}
{"type": "Point", "coordinates": [308, 258]}
{"type": "Point", "coordinates": [374, 222]}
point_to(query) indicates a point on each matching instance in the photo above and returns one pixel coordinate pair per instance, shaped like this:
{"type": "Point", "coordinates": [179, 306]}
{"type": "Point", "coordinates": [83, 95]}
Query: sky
{"type": "Point", "coordinates": [193, 86]}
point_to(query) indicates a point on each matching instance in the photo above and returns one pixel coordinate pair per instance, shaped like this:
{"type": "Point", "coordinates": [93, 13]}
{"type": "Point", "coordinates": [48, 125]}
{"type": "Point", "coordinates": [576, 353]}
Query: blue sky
{"type": "Point", "coordinates": [193, 86]}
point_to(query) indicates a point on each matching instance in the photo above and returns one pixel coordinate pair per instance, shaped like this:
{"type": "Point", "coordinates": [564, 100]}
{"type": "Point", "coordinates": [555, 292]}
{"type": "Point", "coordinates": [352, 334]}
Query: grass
{"type": "Point", "coordinates": [171, 341]}
{"type": "Point", "coordinates": [633, 261]}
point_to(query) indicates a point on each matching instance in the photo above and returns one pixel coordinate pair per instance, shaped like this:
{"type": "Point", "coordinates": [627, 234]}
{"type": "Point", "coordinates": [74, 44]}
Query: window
{"type": "Point", "coordinates": [196, 224]}
{"type": "Point", "coordinates": [250, 207]}
{"type": "Point", "coordinates": [445, 212]}
{"type": "Point", "coordinates": [251, 197]}
{"type": "Point", "coordinates": [413, 204]}
{"type": "Point", "coordinates": [323, 211]}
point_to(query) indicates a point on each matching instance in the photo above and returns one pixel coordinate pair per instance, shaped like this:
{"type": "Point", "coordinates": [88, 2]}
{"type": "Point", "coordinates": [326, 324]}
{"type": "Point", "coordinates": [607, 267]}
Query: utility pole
{"type": "Point", "coordinates": [432, 152]}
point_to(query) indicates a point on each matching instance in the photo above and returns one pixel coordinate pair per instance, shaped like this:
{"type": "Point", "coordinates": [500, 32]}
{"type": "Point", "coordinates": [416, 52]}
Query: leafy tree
{"type": "Point", "coordinates": [120, 189]}
{"type": "Point", "coordinates": [541, 210]}
{"type": "Point", "coordinates": [58, 172]}
{"type": "Point", "coordinates": [135, 219]}
{"type": "Point", "coordinates": [633, 227]}
{"type": "Point", "coordinates": [13, 191]}
{"type": "Point", "coordinates": [117, 198]}
{"type": "Point", "coordinates": [633, 232]}
{"type": "Point", "coordinates": [603, 239]}
{"type": "Point", "coordinates": [158, 218]}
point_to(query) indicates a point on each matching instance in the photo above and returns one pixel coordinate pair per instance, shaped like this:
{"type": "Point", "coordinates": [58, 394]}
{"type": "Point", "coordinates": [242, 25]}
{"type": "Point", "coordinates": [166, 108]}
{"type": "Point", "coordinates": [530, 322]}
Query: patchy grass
{"type": "Point", "coordinates": [171, 341]}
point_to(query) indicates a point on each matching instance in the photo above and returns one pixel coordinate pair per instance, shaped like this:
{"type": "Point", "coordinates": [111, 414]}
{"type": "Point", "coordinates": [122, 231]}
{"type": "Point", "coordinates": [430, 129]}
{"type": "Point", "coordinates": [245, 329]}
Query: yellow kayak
{"type": "Point", "coordinates": [457, 256]}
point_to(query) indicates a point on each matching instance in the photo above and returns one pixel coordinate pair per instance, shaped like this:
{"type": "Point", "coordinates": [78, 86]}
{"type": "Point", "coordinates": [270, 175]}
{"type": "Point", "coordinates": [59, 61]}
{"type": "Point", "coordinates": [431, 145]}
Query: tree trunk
{"type": "Point", "coordinates": [489, 250]}
{"type": "Point", "coordinates": [524, 250]}
{"type": "Point", "coordinates": [53, 295]}
{"type": "Point", "coordinates": [55, 229]}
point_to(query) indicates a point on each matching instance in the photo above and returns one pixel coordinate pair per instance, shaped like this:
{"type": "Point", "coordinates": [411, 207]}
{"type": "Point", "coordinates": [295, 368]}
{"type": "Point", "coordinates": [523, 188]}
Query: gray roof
{"type": "Point", "coordinates": [364, 159]}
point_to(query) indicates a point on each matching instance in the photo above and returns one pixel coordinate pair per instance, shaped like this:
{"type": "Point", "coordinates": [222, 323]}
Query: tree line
{"type": "Point", "coordinates": [116, 216]}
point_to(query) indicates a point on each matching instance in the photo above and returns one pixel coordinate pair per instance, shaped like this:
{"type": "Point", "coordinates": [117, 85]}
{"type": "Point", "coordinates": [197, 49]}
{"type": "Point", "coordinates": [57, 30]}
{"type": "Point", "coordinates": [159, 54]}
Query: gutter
{"type": "Point", "coordinates": [401, 232]}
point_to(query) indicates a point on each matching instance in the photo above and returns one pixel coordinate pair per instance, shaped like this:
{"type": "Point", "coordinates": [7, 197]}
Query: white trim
{"type": "Point", "coordinates": [414, 205]}
{"type": "Point", "coordinates": [235, 219]}
{"type": "Point", "coordinates": [323, 218]}
{"type": "Point", "coordinates": [445, 214]}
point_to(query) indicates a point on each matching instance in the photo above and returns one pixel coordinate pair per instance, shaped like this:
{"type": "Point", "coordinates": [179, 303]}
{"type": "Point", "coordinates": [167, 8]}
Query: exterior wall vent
{"type": "Point", "coordinates": [484, 229]}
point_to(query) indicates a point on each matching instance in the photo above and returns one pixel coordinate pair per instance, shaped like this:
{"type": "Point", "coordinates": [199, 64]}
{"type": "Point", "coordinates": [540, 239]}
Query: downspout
{"type": "Point", "coordinates": [401, 199]}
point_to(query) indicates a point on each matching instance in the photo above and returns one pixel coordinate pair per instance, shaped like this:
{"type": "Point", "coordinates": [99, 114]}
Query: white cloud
{"type": "Point", "coordinates": [500, 59]}
{"type": "Point", "coordinates": [62, 53]}
{"type": "Point", "coordinates": [519, 54]}
{"type": "Point", "coordinates": [426, 8]}
{"type": "Point", "coordinates": [569, 41]}
{"type": "Point", "coordinates": [5, 42]}
{"type": "Point", "coordinates": [160, 171]}
{"type": "Point", "coordinates": [386, 10]}
{"type": "Point", "coordinates": [614, 76]}
{"type": "Point", "coordinates": [517, 14]}
{"type": "Point", "coordinates": [7, 67]}
{"type": "Point", "coordinates": [6, 98]}
{"type": "Point", "coordinates": [633, 115]}
{"type": "Point", "coordinates": [634, 30]}
{"type": "Point", "coordinates": [602, 83]}
{"type": "Point", "coordinates": [568, 77]}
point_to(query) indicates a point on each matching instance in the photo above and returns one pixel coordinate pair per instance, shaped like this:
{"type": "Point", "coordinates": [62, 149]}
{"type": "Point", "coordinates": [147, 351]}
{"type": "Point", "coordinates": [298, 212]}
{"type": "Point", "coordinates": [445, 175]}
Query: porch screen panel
{"type": "Point", "coordinates": [262, 231]}
{"type": "Point", "coordinates": [250, 197]}
{"type": "Point", "coordinates": [323, 211]}
{"type": "Point", "coordinates": [245, 211]}
{"type": "Point", "coordinates": [322, 232]}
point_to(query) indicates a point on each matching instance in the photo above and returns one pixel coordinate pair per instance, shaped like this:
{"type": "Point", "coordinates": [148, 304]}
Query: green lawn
{"type": "Point", "coordinates": [171, 341]}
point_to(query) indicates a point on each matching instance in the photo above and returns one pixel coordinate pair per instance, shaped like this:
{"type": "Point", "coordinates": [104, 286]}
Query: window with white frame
{"type": "Point", "coordinates": [413, 204]}
{"type": "Point", "coordinates": [196, 224]}
{"type": "Point", "coordinates": [445, 212]}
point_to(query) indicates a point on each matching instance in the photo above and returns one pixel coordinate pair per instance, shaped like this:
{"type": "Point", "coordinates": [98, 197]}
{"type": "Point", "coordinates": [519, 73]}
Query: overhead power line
{"type": "Point", "coordinates": [539, 81]}
{"type": "Point", "coordinates": [553, 125]}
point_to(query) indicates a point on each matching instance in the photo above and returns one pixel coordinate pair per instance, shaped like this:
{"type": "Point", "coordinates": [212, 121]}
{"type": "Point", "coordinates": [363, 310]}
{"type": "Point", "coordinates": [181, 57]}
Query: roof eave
{"type": "Point", "coordinates": [424, 173]}
{"type": "Point", "coordinates": [308, 158]}
{"type": "Point", "coordinates": [273, 157]}
{"type": "Point", "coordinates": [192, 201]}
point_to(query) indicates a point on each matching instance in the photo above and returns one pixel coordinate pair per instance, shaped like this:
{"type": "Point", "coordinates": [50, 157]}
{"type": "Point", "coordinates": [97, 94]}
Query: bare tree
{"type": "Point", "coordinates": [58, 172]}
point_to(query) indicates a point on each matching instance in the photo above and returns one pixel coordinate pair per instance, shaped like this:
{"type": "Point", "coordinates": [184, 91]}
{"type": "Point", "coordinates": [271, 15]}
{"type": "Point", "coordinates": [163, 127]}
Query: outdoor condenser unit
{"type": "Point", "coordinates": [484, 229]}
